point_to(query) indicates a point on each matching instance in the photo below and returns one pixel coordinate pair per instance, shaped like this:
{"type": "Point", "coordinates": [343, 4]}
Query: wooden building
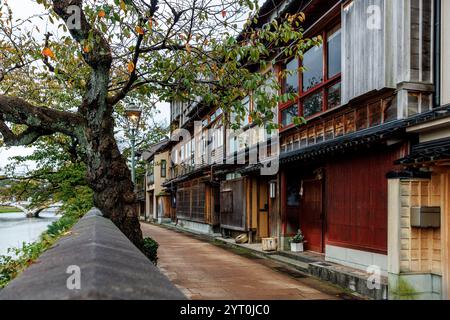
{"type": "Point", "coordinates": [157, 198]}
{"type": "Point", "coordinates": [358, 88]}
{"type": "Point", "coordinates": [375, 96]}
{"type": "Point", "coordinates": [419, 250]}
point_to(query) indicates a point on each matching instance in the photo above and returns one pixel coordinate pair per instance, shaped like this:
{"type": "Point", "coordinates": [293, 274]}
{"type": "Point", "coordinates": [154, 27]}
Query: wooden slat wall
{"type": "Point", "coordinates": [356, 200]}
{"type": "Point", "coordinates": [420, 248]}
{"type": "Point", "coordinates": [233, 204]}
{"type": "Point", "coordinates": [363, 60]}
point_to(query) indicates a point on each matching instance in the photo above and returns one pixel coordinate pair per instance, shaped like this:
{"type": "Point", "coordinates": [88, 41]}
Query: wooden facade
{"type": "Point", "coordinates": [332, 180]}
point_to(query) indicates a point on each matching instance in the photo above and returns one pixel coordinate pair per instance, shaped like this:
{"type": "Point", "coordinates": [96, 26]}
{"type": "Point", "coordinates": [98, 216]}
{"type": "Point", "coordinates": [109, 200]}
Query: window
{"type": "Point", "coordinates": [313, 64]}
{"type": "Point", "coordinates": [334, 96]}
{"type": "Point", "coordinates": [291, 83]}
{"type": "Point", "coordinates": [320, 88]}
{"type": "Point", "coordinates": [163, 168]}
{"type": "Point", "coordinates": [288, 114]}
{"type": "Point", "coordinates": [312, 104]}
{"type": "Point", "coordinates": [150, 176]}
{"type": "Point", "coordinates": [334, 52]}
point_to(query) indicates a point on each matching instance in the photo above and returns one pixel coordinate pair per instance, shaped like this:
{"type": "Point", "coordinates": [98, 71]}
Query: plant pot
{"type": "Point", "coordinates": [297, 247]}
{"type": "Point", "coordinates": [269, 244]}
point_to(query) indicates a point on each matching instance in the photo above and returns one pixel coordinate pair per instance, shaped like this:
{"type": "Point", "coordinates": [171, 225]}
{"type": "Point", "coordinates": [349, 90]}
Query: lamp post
{"type": "Point", "coordinates": [133, 114]}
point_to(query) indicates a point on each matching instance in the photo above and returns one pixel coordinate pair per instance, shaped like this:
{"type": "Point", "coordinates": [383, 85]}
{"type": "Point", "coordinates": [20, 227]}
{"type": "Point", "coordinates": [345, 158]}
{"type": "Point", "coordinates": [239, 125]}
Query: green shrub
{"type": "Point", "coordinates": [151, 249]}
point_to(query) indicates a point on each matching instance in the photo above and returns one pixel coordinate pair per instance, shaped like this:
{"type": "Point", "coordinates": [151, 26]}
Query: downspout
{"type": "Point", "coordinates": [437, 53]}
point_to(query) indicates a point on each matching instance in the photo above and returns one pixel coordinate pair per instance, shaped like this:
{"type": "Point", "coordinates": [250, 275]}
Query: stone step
{"type": "Point", "coordinates": [303, 257]}
{"type": "Point", "coordinates": [350, 279]}
{"type": "Point", "coordinates": [302, 266]}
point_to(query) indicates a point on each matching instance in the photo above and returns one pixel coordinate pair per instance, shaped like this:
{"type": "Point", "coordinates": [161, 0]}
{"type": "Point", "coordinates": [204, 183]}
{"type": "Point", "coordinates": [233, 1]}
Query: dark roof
{"type": "Point", "coordinates": [351, 141]}
{"type": "Point", "coordinates": [154, 149]}
{"type": "Point", "coordinates": [427, 152]}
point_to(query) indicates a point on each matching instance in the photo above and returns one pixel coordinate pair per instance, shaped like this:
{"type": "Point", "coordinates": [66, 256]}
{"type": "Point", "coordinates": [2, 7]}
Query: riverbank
{"type": "Point", "coordinates": [8, 210]}
{"type": "Point", "coordinates": [17, 260]}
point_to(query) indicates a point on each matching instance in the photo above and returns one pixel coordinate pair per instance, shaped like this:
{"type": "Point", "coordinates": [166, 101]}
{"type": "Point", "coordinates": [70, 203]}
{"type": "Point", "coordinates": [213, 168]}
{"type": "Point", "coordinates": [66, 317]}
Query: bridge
{"type": "Point", "coordinates": [25, 207]}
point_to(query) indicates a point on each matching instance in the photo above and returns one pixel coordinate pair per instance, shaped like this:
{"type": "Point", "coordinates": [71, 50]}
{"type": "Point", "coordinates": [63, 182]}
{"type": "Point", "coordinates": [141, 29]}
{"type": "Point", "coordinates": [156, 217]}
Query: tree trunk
{"type": "Point", "coordinates": [109, 177]}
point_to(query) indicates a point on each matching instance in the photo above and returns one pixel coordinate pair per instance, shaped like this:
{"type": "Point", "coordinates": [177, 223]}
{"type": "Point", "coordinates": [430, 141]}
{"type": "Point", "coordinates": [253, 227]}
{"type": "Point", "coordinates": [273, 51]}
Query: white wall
{"type": "Point", "coordinates": [445, 52]}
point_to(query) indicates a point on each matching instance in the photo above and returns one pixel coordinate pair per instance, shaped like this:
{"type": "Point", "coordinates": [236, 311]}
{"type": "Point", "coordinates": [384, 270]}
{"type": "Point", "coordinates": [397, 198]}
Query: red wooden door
{"type": "Point", "coordinates": [311, 215]}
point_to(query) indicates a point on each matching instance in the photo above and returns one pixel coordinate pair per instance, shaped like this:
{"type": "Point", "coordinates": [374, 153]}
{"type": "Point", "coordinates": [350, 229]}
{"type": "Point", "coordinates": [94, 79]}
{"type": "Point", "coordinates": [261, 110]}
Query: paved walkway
{"type": "Point", "coordinates": [204, 270]}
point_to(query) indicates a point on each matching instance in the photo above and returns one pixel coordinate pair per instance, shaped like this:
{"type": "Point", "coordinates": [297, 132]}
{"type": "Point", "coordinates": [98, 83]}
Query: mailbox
{"type": "Point", "coordinates": [426, 217]}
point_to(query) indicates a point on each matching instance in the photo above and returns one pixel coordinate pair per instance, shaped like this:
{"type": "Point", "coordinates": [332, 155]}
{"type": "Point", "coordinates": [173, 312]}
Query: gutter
{"type": "Point", "coordinates": [437, 53]}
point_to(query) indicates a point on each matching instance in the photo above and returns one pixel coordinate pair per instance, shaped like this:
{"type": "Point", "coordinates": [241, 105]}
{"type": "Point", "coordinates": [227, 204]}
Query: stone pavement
{"type": "Point", "coordinates": [206, 270]}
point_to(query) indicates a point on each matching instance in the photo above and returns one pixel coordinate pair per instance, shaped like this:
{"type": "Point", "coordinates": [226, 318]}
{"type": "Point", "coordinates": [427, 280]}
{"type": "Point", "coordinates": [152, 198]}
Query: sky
{"type": "Point", "coordinates": [23, 9]}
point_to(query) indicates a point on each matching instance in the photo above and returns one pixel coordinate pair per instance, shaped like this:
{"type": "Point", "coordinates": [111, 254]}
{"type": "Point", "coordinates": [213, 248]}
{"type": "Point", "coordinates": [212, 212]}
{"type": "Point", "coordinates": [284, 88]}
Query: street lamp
{"type": "Point", "coordinates": [133, 114]}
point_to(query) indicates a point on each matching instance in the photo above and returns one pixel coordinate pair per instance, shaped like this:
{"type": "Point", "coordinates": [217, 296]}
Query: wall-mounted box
{"type": "Point", "coordinates": [426, 217]}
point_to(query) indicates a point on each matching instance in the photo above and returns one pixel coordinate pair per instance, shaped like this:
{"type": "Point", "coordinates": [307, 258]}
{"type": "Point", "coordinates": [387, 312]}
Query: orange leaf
{"type": "Point", "coordinates": [101, 13]}
{"type": "Point", "coordinates": [86, 49]}
{"type": "Point", "coordinates": [131, 67]}
{"type": "Point", "coordinates": [139, 30]}
{"type": "Point", "coordinates": [47, 52]}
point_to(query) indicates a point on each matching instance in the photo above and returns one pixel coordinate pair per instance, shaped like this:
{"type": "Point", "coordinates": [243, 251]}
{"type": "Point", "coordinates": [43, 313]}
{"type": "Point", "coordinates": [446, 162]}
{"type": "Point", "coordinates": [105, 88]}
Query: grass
{"type": "Point", "coordinates": [8, 209]}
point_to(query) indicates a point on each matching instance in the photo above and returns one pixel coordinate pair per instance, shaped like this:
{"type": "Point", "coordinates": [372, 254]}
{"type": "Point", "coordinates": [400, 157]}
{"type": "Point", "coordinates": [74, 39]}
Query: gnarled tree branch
{"type": "Point", "coordinates": [40, 121]}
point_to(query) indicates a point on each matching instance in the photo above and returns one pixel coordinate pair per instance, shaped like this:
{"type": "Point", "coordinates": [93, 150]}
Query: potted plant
{"type": "Point", "coordinates": [297, 242]}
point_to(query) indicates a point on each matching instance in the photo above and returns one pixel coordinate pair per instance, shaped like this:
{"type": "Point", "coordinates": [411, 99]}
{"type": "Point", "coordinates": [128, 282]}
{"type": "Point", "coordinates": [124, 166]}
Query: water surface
{"type": "Point", "coordinates": [16, 228]}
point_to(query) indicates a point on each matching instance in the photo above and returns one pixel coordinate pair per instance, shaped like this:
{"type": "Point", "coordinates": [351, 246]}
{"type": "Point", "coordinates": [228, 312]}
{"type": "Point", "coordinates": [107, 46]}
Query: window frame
{"type": "Point", "coordinates": [163, 168]}
{"type": "Point", "coordinates": [322, 87]}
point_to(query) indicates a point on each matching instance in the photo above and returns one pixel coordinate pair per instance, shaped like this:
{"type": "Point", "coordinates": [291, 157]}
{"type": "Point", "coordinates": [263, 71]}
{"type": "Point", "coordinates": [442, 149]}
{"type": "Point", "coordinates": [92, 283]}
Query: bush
{"type": "Point", "coordinates": [151, 250]}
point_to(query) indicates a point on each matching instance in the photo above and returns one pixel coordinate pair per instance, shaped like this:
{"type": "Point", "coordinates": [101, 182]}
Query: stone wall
{"type": "Point", "coordinates": [96, 261]}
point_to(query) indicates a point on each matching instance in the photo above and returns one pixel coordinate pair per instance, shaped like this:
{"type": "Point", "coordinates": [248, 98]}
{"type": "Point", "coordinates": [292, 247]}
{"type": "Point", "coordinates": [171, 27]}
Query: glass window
{"type": "Point", "coordinates": [163, 168]}
{"type": "Point", "coordinates": [313, 64]}
{"type": "Point", "coordinates": [334, 96]}
{"type": "Point", "coordinates": [334, 52]}
{"type": "Point", "coordinates": [312, 104]}
{"type": "Point", "coordinates": [291, 84]}
{"type": "Point", "coordinates": [288, 114]}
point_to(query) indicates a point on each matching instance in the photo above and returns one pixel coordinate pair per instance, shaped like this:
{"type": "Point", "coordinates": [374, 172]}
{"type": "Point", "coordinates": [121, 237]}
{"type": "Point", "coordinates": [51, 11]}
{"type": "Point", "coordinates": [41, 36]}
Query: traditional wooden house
{"type": "Point", "coordinates": [419, 194]}
{"type": "Point", "coordinates": [194, 155]}
{"type": "Point", "coordinates": [371, 74]}
{"type": "Point", "coordinates": [157, 198]}
{"type": "Point", "coordinates": [375, 96]}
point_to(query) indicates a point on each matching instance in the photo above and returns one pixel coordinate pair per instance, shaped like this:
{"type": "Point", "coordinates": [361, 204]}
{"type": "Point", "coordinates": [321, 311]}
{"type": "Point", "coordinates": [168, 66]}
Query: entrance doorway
{"type": "Point", "coordinates": [263, 209]}
{"type": "Point", "coordinates": [311, 215]}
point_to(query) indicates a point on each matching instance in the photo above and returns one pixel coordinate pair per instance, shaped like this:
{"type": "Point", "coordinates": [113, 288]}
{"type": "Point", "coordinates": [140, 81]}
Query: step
{"type": "Point", "coordinates": [299, 265]}
{"type": "Point", "coordinates": [303, 257]}
{"type": "Point", "coordinates": [348, 278]}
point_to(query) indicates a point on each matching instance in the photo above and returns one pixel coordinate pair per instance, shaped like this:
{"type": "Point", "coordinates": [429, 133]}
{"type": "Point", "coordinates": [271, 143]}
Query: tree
{"type": "Point", "coordinates": [70, 83]}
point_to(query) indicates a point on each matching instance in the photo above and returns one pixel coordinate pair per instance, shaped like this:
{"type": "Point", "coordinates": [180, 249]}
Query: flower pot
{"type": "Point", "coordinates": [297, 247]}
{"type": "Point", "coordinates": [269, 244]}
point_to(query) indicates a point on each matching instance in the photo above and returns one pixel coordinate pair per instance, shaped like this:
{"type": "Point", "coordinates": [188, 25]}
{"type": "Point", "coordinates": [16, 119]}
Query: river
{"type": "Point", "coordinates": [16, 228]}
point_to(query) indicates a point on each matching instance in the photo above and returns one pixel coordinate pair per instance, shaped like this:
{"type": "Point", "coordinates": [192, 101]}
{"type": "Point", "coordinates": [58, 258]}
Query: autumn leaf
{"type": "Point", "coordinates": [86, 49]}
{"type": "Point", "coordinates": [101, 14]}
{"type": "Point", "coordinates": [131, 66]}
{"type": "Point", "coordinates": [47, 52]}
{"type": "Point", "coordinates": [123, 6]}
{"type": "Point", "coordinates": [302, 17]}
{"type": "Point", "coordinates": [139, 30]}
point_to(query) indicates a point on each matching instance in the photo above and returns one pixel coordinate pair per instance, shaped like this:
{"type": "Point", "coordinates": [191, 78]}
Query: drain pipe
{"type": "Point", "coordinates": [437, 53]}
